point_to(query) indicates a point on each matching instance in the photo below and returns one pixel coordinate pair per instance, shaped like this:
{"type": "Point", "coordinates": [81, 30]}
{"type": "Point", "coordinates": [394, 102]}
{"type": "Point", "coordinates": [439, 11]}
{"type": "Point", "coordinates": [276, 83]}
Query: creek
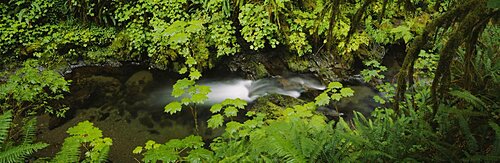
{"type": "Point", "coordinates": [127, 103]}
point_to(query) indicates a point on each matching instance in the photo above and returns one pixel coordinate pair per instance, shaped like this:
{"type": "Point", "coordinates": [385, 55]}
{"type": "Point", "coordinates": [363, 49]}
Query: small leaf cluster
{"type": "Point", "coordinates": [226, 109]}
{"type": "Point", "coordinates": [335, 91]}
{"type": "Point", "coordinates": [299, 43]}
{"type": "Point", "coordinates": [19, 26]}
{"type": "Point", "coordinates": [188, 149]}
{"type": "Point", "coordinates": [374, 75]}
{"type": "Point", "coordinates": [69, 41]}
{"type": "Point", "coordinates": [426, 64]}
{"type": "Point", "coordinates": [190, 93]}
{"type": "Point", "coordinates": [374, 72]}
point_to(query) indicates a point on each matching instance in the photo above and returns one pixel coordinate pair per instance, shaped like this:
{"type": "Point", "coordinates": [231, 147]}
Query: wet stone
{"type": "Point", "coordinates": [146, 121]}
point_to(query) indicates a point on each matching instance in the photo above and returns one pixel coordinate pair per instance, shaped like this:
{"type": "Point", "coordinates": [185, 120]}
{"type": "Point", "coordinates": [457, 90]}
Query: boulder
{"type": "Point", "coordinates": [137, 83]}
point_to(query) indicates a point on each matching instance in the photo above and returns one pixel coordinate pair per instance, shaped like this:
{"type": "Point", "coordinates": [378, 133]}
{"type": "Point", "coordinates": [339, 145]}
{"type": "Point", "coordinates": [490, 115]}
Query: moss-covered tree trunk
{"type": "Point", "coordinates": [460, 13]}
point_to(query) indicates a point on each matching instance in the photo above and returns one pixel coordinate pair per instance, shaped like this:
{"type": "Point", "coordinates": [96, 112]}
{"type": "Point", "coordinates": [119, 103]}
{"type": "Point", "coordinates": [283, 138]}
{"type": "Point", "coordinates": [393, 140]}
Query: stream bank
{"type": "Point", "coordinates": [126, 100]}
{"type": "Point", "coordinates": [126, 104]}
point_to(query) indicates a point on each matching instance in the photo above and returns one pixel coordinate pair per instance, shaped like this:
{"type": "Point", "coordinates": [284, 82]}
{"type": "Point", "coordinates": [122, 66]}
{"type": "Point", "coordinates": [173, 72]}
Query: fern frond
{"type": "Point", "coordinates": [496, 145]}
{"type": "Point", "coordinates": [5, 120]}
{"type": "Point", "coordinates": [464, 112]}
{"type": "Point", "coordinates": [481, 158]}
{"type": "Point", "coordinates": [445, 151]}
{"type": "Point", "coordinates": [19, 153]}
{"type": "Point", "coordinates": [464, 128]}
{"type": "Point", "coordinates": [70, 151]}
{"type": "Point", "coordinates": [376, 154]}
{"type": "Point", "coordinates": [469, 97]}
{"type": "Point", "coordinates": [29, 130]}
{"type": "Point", "coordinates": [103, 155]}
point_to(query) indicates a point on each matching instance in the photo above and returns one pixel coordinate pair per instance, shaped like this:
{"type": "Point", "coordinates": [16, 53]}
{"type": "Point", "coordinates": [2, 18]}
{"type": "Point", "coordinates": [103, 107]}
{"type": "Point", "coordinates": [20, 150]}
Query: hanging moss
{"type": "Point", "coordinates": [357, 18]}
{"type": "Point", "coordinates": [465, 30]}
{"type": "Point", "coordinates": [406, 73]}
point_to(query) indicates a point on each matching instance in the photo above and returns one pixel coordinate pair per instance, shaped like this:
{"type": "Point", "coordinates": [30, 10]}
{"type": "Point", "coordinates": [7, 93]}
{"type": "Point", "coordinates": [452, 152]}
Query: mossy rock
{"type": "Point", "coordinates": [298, 64]}
{"type": "Point", "coordinates": [274, 102]}
{"type": "Point", "coordinates": [260, 70]}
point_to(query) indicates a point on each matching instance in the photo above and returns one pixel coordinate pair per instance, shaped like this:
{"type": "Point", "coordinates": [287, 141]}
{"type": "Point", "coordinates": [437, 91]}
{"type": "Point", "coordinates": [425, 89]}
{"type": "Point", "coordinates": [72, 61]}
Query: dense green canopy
{"type": "Point", "coordinates": [441, 106]}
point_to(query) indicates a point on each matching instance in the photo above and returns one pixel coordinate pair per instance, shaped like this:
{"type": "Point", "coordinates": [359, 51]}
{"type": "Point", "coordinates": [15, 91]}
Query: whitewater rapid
{"type": "Point", "coordinates": [250, 90]}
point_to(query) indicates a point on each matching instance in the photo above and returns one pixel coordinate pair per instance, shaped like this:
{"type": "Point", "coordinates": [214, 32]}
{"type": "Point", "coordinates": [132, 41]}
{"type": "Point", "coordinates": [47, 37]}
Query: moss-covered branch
{"type": "Point", "coordinates": [405, 75]}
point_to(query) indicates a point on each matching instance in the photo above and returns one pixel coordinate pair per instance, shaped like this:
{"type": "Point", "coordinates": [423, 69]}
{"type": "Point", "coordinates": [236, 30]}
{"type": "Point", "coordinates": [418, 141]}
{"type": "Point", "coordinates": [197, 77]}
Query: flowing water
{"type": "Point", "coordinates": [250, 90]}
{"type": "Point", "coordinates": [127, 105]}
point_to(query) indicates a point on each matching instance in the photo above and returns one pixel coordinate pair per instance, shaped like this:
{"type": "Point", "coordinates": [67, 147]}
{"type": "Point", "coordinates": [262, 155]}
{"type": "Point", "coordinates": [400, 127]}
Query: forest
{"type": "Point", "coordinates": [249, 81]}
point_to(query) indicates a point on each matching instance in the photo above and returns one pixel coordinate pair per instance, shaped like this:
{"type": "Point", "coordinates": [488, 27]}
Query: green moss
{"type": "Point", "coordinates": [260, 71]}
{"type": "Point", "coordinates": [276, 101]}
{"type": "Point", "coordinates": [298, 64]}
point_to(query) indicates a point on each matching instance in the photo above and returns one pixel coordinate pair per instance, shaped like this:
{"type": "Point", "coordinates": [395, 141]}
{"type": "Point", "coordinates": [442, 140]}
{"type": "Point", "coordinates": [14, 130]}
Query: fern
{"type": "Point", "coordinates": [9, 153]}
{"type": "Point", "coordinates": [290, 141]}
{"type": "Point", "coordinates": [84, 133]}
{"type": "Point", "coordinates": [174, 149]}
{"type": "Point", "coordinates": [471, 141]}
{"type": "Point", "coordinates": [29, 130]}
{"type": "Point", "coordinates": [70, 151]}
{"type": "Point", "coordinates": [470, 98]}
{"type": "Point", "coordinates": [5, 120]}
{"type": "Point", "coordinates": [496, 145]}
{"type": "Point", "coordinates": [19, 153]}
{"type": "Point", "coordinates": [481, 158]}
{"type": "Point", "coordinates": [103, 155]}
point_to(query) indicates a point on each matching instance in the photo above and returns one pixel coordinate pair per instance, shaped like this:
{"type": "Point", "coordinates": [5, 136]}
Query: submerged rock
{"type": "Point", "coordinates": [330, 113]}
{"type": "Point", "coordinates": [362, 102]}
{"type": "Point", "coordinates": [138, 82]}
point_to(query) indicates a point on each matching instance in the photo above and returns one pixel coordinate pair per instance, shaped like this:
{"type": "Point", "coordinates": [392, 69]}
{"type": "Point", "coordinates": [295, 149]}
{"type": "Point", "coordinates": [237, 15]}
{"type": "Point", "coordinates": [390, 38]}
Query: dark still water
{"type": "Point", "coordinates": [127, 105]}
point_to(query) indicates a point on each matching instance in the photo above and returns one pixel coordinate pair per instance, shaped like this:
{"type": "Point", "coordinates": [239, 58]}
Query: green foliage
{"type": "Point", "coordinates": [221, 30]}
{"type": "Point", "coordinates": [31, 89]}
{"type": "Point", "coordinates": [496, 145]}
{"type": "Point", "coordinates": [294, 134]}
{"type": "Point", "coordinates": [20, 153]}
{"type": "Point", "coordinates": [99, 12]}
{"type": "Point", "coordinates": [301, 25]}
{"type": "Point", "coordinates": [470, 98]}
{"type": "Point", "coordinates": [374, 71]}
{"type": "Point", "coordinates": [5, 121]}
{"type": "Point", "coordinates": [373, 75]}
{"type": "Point", "coordinates": [257, 27]}
{"type": "Point", "coordinates": [166, 32]}
{"type": "Point", "coordinates": [299, 43]}
{"type": "Point", "coordinates": [69, 152]}
{"type": "Point", "coordinates": [426, 64]}
{"type": "Point", "coordinates": [463, 124]}
{"type": "Point", "coordinates": [10, 151]}
{"type": "Point", "coordinates": [478, 75]}
{"type": "Point", "coordinates": [190, 35]}
{"type": "Point", "coordinates": [175, 150]}
{"type": "Point", "coordinates": [190, 93]}
{"type": "Point", "coordinates": [230, 107]}
{"type": "Point", "coordinates": [493, 4]}
{"type": "Point", "coordinates": [84, 133]}
{"type": "Point", "coordinates": [336, 91]}
{"type": "Point", "coordinates": [402, 32]}
{"type": "Point", "coordinates": [29, 131]}
{"type": "Point", "coordinates": [301, 142]}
